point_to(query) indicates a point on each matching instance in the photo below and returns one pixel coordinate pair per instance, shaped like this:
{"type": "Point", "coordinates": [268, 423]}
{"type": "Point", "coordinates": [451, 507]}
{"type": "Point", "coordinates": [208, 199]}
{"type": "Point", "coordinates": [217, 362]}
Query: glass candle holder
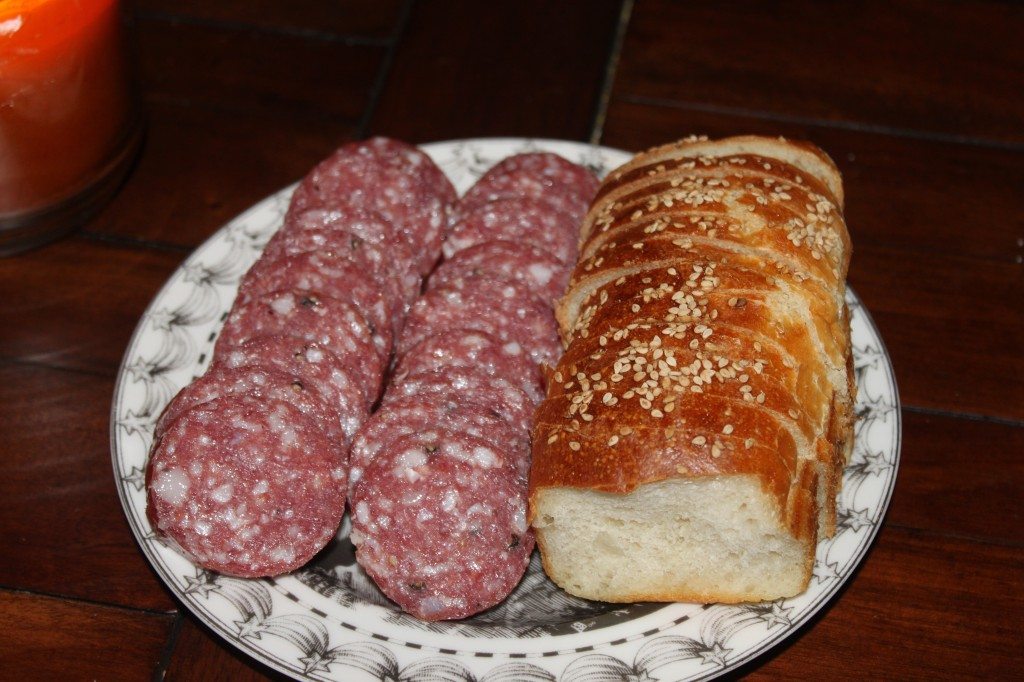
{"type": "Point", "coordinates": [69, 123]}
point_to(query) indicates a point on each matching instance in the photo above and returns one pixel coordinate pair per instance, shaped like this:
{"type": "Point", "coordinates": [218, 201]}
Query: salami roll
{"type": "Point", "coordinates": [460, 384]}
{"type": "Point", "coordinates": [442, 529]}
{"type": "Point", "coordinates": [536, 268]}
{"type": "Point", "coordinates": [468, 348]}
{"type": "Point", "coordinates": [506, 310]}
{"type": "Point", "coordinates": [264, 383]}
{"type": "Point", "coordinates": [332, 323]}
{"type": "Point", "coordinates": [543, 176]}
{"type": "Point", "coordinates": [427, 418]}
{"type": "Point", "coordinates": [323, 274]}
{"type": "Point", "coordinates": [246, 486]}
{"type": "Point", "coordinates": [526, 220]}
{"type": "Point", "coordinates": [398, 181]}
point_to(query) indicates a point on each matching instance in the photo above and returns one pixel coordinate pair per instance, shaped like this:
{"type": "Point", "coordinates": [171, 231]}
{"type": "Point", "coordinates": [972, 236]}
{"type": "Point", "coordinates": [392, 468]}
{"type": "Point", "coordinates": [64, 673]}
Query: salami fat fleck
{"type": "Point", "coordinates": [324, 274]}
{"type": "Point", "coordinates": [536, 268]}
{"type": "Point", "coordinates": [467, 348]}
{"type": "Point", "coordinates": [247, 487]}
{"type": "Point", "coordinates": [460, 384]}
{"type": "Point", "coordinates": [309, 366]}
{"type": "Point", "coordinates": [543, 176]}
{"type": "Point", "coordinates": [332, 323]}
{"type": "Point", "coordinates": [442, 529]}
{"type": "Point", "coordinates": [427, 418]}
{"type": "Point", "coordinates": [530, 221]}
{"type": "Point", "coordinates": [504, 309]}
{"type": "Point", "coordinates": [257, 382]}
{"type": "Point", "coordinates": [363, 236]}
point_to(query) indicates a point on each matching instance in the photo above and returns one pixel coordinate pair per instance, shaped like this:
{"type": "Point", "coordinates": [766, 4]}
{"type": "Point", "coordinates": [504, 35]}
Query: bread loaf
{"type": "Point", "coordinates": [693, 437]}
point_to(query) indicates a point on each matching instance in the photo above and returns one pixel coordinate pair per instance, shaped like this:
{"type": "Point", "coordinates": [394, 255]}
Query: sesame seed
{"type": "Point", "coordinates": [699, 440]}
{"type": "Point", "coordinates": [613, 440]}
{"type": "Point", "coordinates": [574, 446]}
{"type": "Point", "coordinates": [552, 438]}
{"type": "Point", "coordinates": [727, 429]}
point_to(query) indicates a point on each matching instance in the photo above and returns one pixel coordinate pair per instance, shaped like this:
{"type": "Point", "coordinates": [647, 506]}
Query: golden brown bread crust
{"type": "Point", "coordinates": [707, 333]}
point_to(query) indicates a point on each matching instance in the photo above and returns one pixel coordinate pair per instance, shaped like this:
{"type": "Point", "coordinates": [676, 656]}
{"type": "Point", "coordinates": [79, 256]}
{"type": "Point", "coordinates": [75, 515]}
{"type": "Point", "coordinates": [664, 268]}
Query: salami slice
{"type": "Point", "coordinates": [441, 529]}
{"type": "Point", "coordinates": [468, 348]}
{"type": "Point", "coordinates": [461, 384]}
{"type": "Point", "coordinates": [540, 271]}
{"type": "Point", "coordinates": [334, 324]}
{"type": "Point", "coordinates": [246, 486]}
{"type": "Point", "coordinates": [544, 176]}
{"type": "Point", "coordinates": [361, 235]}
{"type": "Point", "coordinates": [326, 275]}
{"type": "Point", "coordinates": [427, 418]}
{"type": "Point", "coordinates": [389, 177]}
{"type": "Point", "coordinates": [526, 220]}
{"type": "Point", "coordinates": [506, 310]}
{"type": "Point", "coordinates": [312, 367]}
{"type": "Point", "coordinates": [260, 382]}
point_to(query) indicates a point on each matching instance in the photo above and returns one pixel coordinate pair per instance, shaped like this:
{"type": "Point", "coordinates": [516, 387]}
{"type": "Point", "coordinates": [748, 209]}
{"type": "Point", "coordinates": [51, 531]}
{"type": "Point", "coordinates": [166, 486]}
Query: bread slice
{"type": "Point", "coordinates": [693, 437]}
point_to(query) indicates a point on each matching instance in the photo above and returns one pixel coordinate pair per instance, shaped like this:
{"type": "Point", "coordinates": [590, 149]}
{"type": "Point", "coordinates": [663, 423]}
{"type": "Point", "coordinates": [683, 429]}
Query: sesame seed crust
{"type": "Point", "coordinates": [706, 317]}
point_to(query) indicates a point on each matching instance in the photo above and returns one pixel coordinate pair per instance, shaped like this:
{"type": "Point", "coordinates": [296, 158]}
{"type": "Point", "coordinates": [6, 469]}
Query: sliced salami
{"type": "Point", "coordinates": [544, 176]}
{"type": "Point", "coordinates": [527, 220]}
{"type": "Point", "coordinates": [323, 274]}
{"type": "Point", "coordinates": [260, 382]}
{"type": "Point", "coordinates": [312, 366]}
{"type": "Point", "coordinates": [246, 486]}
{"type": "Point", "coordinates": [442, 529]}
{"type": "Point", "coordinates": [361, 235]}
{"type": "Point", "coordinates": [469, 348]}
{"type": "Point", "coordinates": [540, 271]}
{"type": "Point", "coordinates": [469, 384]}
{"type": "Point", "coordinates": [504, 309]}
{"type": "Point", "coordinates": [428, 418]}
{"type": "Point", "coordinates": [389, 177]}
{"type": "Point", "coordinates": [334, 324]}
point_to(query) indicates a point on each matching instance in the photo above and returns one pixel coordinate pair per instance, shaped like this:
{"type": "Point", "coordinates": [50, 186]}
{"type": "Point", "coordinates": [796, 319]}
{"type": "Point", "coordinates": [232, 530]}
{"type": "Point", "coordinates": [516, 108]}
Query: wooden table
{"type": "Point", "coordinates": [918, 102]}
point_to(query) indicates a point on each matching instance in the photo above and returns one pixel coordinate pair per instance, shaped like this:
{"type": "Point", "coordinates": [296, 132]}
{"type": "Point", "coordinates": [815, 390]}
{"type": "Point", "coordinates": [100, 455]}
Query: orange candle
{"type": "Point", "coordinates": [65, 109]}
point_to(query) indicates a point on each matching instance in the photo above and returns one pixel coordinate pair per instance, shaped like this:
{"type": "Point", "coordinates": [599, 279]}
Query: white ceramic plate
{"type": "Point", "coordinates": [328, 621]}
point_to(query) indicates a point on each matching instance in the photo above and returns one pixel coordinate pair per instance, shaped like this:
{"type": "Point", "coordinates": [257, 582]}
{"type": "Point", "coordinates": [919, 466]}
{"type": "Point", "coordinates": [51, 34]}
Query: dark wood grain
{"type": "Point", "coordinates": [61, 524]}
{"type": "Point", "coordinates": [352, 19]}
{"type": "Point", "coordinates": [952, 326]}
{"type": "Point", "coordinates": [75, 303]}
{"type": "Point", "coordinates": [960, 478]}
{"type": "Point", "coordinates": [904, 193]}
{"type": "Point", "coordinates": [921, 607]}
{"type": "Point", "coordinates": [54, 639]}
{"type": "Point", "coordinates": [470, 69]}
{"type": "Point", "coordinates": [937, 67]}
{"type": "Point", "coordinates": [247, 70]}
{"type": "Point", "coordinates": [199, 654]}
{"type": "Point", "coordinates": [201, 167]}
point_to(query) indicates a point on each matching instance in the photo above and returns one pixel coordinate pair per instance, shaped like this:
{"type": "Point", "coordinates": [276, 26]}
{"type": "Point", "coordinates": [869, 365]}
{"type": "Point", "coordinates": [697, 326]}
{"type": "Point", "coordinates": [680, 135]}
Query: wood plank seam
{"type": "Point", "coordinates": [160, 671]}
{"type": "Point", "coordinates": [377, 89]}
{"type": "Point", "coordinates": [959, 537]}
{"type": "Point", "coordinates": [604, 97]}
{"type": "Point", "coordinates": [82, 600]}
{"type": "Point", "coordinates": [969, 416]}
{"type": "Point", "coordinates": [134, 242]}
